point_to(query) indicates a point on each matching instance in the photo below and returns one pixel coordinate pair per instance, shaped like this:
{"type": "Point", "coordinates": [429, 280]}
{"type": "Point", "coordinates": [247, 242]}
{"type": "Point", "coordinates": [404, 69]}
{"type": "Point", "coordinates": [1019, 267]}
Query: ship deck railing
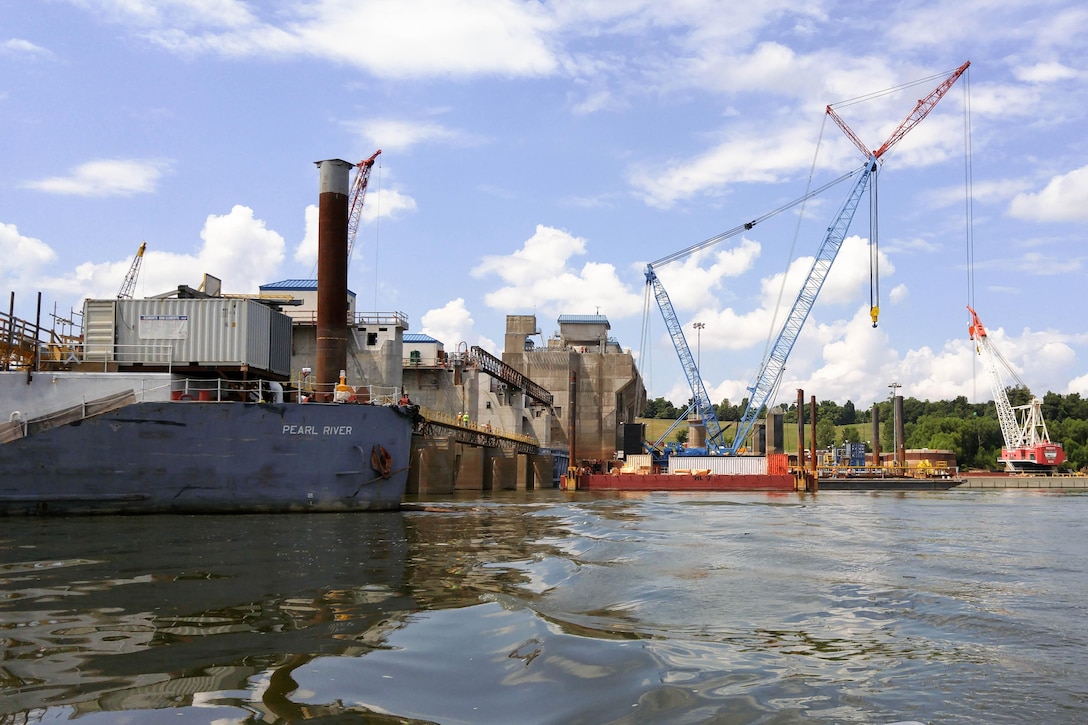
{"type": "Point", "coordinates": [61, 353]}
{"type": "Point", "coordinates": [271, 391]}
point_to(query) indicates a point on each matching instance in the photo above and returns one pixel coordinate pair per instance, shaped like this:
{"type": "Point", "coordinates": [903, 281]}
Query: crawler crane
{"type": "Point", "coordinates": [1027, 443]}
{"type": "Point", "coordinates": [773, 365]}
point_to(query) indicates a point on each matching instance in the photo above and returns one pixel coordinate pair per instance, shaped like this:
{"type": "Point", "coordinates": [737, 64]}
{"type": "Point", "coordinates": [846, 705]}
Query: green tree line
{"type": "Point", "coordinates": [971, 430]}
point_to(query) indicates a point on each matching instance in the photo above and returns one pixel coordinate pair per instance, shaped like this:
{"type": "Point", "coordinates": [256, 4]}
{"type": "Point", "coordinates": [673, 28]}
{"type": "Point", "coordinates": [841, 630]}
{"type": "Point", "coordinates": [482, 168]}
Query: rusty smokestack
{"type": "Point", "coordinates": [332, 274]}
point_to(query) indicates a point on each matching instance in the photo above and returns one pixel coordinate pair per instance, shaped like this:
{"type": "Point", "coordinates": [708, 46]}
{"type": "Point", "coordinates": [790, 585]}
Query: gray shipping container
{"type": "Point", "coordinates": [217, 331]}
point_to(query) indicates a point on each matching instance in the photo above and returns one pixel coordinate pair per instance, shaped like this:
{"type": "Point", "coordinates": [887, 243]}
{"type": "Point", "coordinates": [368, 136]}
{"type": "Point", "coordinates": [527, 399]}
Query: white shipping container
{"type": "Point", "coordinates": [720, 465]}
{"type": "Point", "coordinates": [215, 331]}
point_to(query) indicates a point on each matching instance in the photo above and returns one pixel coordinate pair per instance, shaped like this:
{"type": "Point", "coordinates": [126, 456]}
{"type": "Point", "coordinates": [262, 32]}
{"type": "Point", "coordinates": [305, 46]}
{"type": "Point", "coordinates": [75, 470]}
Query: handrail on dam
{"type": "Point", "coordinates": [438, 423]}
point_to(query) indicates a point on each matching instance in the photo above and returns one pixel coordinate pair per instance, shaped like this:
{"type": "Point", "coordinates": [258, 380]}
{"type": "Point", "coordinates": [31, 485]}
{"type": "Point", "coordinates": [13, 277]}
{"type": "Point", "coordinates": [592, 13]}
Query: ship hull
{"type": "Point", "coordinates": [197, 457]}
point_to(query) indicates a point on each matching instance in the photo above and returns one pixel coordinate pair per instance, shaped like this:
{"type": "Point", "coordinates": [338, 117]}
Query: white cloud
{"type": "Point", "coordinates": [747, 155]}
{"type": "Point", "coordinates": [432, 37]}
{"type": "Point", "coordinates": [1064, 198]}
{"type": "Point", "coordinates": [1046, 73]}
{"type": "Point", "coordinates": [396, 134]}
{"type": "Point", "coordinates": [306, 251]}
{"type": "Point", "coordinates": [385, 204]}
{"type": "Point", "coordinates": [539, 277]}
{"type": "Point", "coordinates": [692, 283]}
{"type": "Point", "coordinates": [1078, 385]}
{"type": "Point", "coordinates": [17, 47]}
{"type": "Point", "coordinates": [237, 248]}
{"type": "Point", "coordinates": [411, 38]}
{"type": "Point", "coordinates": [177, 13]}
{"type": "Point", "coordinates": [23, 259]}
{"type": "Point", "coordinates": [452, 324]}
{"type": "Point", "coordinates": [105, 177]}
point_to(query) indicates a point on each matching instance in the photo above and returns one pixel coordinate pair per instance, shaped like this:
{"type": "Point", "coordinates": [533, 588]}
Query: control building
{"type": "Point", "coordinates": [595, 383]}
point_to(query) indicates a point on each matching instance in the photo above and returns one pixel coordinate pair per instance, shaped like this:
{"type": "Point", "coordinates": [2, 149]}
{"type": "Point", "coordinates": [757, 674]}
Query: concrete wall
{"type": "Point", "coordinates": [542, 471]}
{"type": "Point", "coordinates": [442, 466]}
{"type": "Point", "coordinates": [500, 469]}
{"type": "Point", "coordinates": [380, 366]}
{"type": "Point", "coordinates": [434, 466]}
{"type": "Point", "coordinates": [609, 391]}
{"type": "Point", "coordinates": [470, 469]}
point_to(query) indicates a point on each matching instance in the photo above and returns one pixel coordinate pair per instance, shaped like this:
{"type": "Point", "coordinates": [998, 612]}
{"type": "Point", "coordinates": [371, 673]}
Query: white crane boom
{"type": "Point", "coordinates": [129, 285]}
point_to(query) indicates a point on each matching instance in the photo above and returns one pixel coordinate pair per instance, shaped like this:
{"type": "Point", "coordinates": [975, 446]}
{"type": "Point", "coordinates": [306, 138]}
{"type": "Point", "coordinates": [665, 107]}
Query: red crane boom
{"type": "Point", "coordinates": [358, 193]}
{"type": "Point", "coordinates": [921, 110]}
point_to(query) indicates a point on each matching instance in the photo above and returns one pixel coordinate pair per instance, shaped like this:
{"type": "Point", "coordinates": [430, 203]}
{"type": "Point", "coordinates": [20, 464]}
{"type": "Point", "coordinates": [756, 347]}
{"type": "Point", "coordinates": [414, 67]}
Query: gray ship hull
{"type": "Point", "coordinates": [211, 457]}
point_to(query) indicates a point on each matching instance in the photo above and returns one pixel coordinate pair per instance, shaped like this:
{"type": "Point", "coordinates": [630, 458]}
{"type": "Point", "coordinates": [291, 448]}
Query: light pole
{"type": "Point", "coordinates": [698, 354]}
{"type": "Point", "coordinates": [698, 342]}
{"type": "Point", "coordinates": [895, 433]}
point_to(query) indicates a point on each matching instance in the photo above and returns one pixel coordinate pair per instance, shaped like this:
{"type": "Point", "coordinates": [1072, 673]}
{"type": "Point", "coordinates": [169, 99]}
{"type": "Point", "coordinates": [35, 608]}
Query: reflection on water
{"type": "Point", "coordinates": [549, 607]}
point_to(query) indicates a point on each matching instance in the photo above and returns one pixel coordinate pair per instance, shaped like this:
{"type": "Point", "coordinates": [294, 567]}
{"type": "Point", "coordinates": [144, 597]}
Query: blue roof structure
{"type": "Point", "coordinates": [293, 285]}
{"type": "Point", "coordinates": [418, 338]}
{"type": "Point", "coordinates": [584, 320]}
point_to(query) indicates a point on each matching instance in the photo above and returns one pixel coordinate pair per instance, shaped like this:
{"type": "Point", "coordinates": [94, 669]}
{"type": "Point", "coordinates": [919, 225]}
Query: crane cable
{"type": "Point", "coordinates": [645, 360]}
{"type": "Point", "coordinates": [377, 232]}
{"type": "Point", "coordinates": [874, 249]}
{"type": "Point", "coordinates": [968, 175]}
{"type": "Point", "coordinates": [889, 91]}
{"type": "Point", "coordinates": [793, 246]}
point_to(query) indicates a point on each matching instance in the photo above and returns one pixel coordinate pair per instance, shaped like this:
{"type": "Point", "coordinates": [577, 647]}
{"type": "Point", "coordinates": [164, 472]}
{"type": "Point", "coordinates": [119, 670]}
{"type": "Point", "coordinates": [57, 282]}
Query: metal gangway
{"type": "Point", "coordinates": [439, 424]}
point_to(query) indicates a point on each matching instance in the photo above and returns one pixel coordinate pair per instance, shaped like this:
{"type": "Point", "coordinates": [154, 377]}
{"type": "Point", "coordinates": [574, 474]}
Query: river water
{"type": "Point", "coordinates": [555, 607]}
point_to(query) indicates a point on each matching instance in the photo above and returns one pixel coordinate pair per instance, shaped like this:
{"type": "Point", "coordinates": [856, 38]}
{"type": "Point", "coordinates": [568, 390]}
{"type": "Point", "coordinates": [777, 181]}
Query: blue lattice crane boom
{"type": "Point", "coordinates": [687, 362]}
{"type": "Point", "coordinates": [770, 374]}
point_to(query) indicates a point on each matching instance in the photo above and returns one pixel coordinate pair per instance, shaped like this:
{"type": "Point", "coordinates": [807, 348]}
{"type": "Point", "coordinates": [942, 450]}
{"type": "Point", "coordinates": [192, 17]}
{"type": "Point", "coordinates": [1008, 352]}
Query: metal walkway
{"type": "Point", "coordinates": [438, 424]}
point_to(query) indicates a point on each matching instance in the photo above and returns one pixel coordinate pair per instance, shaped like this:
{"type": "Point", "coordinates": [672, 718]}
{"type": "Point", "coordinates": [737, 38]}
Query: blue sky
{"type": "Point", "coordinates": [536, 155]}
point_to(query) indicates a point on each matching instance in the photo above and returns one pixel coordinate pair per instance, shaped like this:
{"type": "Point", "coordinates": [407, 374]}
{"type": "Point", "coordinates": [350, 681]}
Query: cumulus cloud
{"type": "Point", "coordinates": [237, 248]}
{"type": "Point", "coordinates": [105, 177]}
{"type": "Point", "coordinates": [539, 276]}
{"type": "Point", "coordinates": [306, 251]}
{"type": "Point", "coordinates": [746, 155]}
{"type": "Point", "coordinates": [1077, 385]}
{"type": "Point", "coordinates": [1046, 73]}
{"type": "Point", "coordinates": [389, 203]}
{"type": "Point", "coordinates": [23, 258]}
{"type": "Point", "coordinates": [452, 324]}
{"type": "Point", "coordinates": [1064, 198]}
{"type": "Point", "coordinates": [412, 38]}
{"type": "Point", "coordinates": [696, 279]}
